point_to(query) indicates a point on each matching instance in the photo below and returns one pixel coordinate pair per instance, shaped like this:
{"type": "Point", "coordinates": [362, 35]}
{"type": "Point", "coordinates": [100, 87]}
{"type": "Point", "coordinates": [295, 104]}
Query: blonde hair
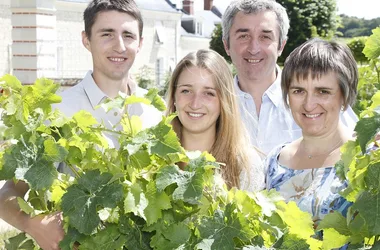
{"type": "Point", "coordinates": [230, 146]}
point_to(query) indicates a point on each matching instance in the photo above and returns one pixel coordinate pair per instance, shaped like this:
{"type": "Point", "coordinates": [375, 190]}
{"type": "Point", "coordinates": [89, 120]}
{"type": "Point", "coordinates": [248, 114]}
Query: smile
{"type": "Point", "coordinates": [253, 60]}
{"type": "Point", "coordinates": [312, 115]}
{"type": "Point", "coordinates": [196, 115]}
{"type": "Point", "coordinates": [117, 59]}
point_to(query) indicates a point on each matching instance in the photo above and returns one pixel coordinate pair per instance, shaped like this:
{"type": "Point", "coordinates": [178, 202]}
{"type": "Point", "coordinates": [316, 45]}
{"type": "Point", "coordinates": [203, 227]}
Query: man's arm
{"type": "Point", "coordinates": [46, 230]}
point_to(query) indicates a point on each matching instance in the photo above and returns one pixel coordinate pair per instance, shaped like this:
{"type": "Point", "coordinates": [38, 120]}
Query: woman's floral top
{"type": "Point", "coordinates": [314, 190]}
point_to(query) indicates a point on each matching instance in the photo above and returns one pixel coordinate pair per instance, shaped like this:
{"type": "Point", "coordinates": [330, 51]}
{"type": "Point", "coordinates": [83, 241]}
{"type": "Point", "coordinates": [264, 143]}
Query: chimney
{"type": "Point", "coordinates": [188, 6]}
{"type": "Point", "coordinates": [208, 4]}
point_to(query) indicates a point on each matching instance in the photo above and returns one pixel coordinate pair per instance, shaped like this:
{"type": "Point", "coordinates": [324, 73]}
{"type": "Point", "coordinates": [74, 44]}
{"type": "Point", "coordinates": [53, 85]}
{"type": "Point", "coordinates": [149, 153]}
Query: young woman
{"type": "Point", "coordinates": [201, 91]}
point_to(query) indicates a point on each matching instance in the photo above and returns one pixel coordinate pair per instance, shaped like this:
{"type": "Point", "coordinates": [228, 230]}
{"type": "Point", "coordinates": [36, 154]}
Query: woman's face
{"type": "Point", "coordinates": [197, 101]}
{"type": "Point", "coordinates": [316, 104]}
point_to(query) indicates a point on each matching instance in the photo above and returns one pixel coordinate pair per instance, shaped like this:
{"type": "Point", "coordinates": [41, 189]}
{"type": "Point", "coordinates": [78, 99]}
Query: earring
{"type": "Point", "coordinates": [342, 108]}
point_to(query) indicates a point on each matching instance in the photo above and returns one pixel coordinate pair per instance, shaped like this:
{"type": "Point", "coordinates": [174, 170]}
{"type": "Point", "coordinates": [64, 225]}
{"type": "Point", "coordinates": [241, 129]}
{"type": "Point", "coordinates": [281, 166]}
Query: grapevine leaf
{"type": "Point", "coordinates": [136, 239]}
{"type": "Point", "coordinates": [41, 175]}
{"type": "Point", "coordinates": [140, 159]}
{"type": "Point", "coordinates": [135, 201]}
{"type": "Point", "coordinates": [53, 151]}
{"type": "Point", "coordinates": [107, 239]}
{"type": "Point", "coordinates": [84, 120]}
{"type": "Point", "coordinates": [336, 221]}
{"type": "Point", "coordinates": [166, 140]}
{"type": "Point", "coordinates": [223, 228]}
{"type": "Point", "coordinates": [173, 237]}
{"type": "Point", "coordinates": [375, 100]}
{"type": "Point", "coordinates": [298, 222]}
{"type": "Point", "coordinates": [372, 46]}
{"type": "Point", "coordinates": [372, 178]}
{"type": "Point", "coordinates": [292, 242]}
{"type": "Point", "coordinates": [157, 201]}
{"type": "Point", "coordinates": [20, 241]}
{"type": "Point", "coordinates": [366, 129]}
{"type": "Point", "coordinates": [189, 184]}
{"type": "Point", "coordinates": [368, 206]}
{"type": "Point", "coordinates": [24, 206]}
{"type": "Point", "coordinates": [71, 237]}
{"type": "Point", "coordinates": [81, 201]}
{"type": "Point", "coordinates": [333, 239]}
{"type": "Point", "coordinates": [155, 99]}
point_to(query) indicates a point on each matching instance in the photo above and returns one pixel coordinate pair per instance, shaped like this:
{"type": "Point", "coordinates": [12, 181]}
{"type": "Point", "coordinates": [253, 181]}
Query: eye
{"type": "Point", "coordinates": [209, 93]}
{"type": "Point", "coordinates": [324, 92]}
{"type": "Point", "coordinates": [297, 91]}
{"type": "Point", "coordinates": [243, 36]}
{"type": "Point", "coordinates": [184, 91]}
{"type": "Point", "coordinates": [106, 34]}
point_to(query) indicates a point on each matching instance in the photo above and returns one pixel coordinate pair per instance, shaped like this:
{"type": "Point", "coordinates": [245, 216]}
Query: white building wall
{"type": "Point", "coordinates": [192, 43]}
{"type": "Point", "coordinates": [5, 37]}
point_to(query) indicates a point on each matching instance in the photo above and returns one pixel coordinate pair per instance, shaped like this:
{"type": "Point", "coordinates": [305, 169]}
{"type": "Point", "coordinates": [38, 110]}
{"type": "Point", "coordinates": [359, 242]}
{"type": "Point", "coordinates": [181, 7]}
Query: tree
{"type": "Point", "coordinates": [309, 18]}
{"type": "Point", "coordinates": [216, 42]}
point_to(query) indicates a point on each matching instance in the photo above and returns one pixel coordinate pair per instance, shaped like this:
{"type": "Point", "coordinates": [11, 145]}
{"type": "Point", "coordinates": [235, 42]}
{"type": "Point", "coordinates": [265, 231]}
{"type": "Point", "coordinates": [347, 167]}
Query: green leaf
{"type": "Point", "coordinates": [136, 239]}
{"type": "Point", "coordinates": [368, 206]}
{"type": "Point", "coordinates": [336, 221]}
{"type": "Point", "coordinates": [292, 242]}
{"type": "Point", "coordinates": [107, 239]}
{"type": "Point", "coordinates": [173, 237]}
{"type": "Point", "coordinates": [372, 178]}
{"type": "Point", "coordinates": [375, 100]}
{"type": "Point", "coordinates": [189, 184]}
{"type": "Point", "coordinates": [155, 99]}
{"type": "Point", "coordinates": [166, 140]}
{"type": "Point", "coordinates": [24, 206]}
{"type": "Point", "coordinates": [53, 151]}
{"type": "Point", "coordinates": [366, 129]}
{"type": "Point", "coordinates": [220, 231]}
{"type": "Point", "coordinates": [157, 201]}
{"type": "Point", "coordinates": [20, 241]}
{"type": "Point", "coordinates": [71, 237]}
{"type": "Point", "coordinates": [333, 239]}
{"type": "Point", "coordinates": [41, 175]}
{"type": "Point", "coordinates": [135, 200]}
{"type": "Point", "coordinates": [84, 120]}
{"type": "Point", "coordinates": [372, 46]}
{"type": "Point", "coordinates": [81, 201]}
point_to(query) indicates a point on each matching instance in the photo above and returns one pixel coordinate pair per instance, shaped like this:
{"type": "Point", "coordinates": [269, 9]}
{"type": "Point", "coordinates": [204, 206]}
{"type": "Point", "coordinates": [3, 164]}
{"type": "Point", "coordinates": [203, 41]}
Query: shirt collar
{"type": "Point", "coordinates": [93, 92]}
{"type": "Point", "coordinates": [274, 92]}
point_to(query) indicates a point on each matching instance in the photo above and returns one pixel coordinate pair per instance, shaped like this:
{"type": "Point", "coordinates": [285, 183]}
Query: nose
{"type": "Point", "coordinates": [253, 46]}
{"type": "Point", "coordinates": [310, 102]}
{"type": "Point", "coordinates": [119, 45]}
{"type": "Point", "coordinates": [196, 102]}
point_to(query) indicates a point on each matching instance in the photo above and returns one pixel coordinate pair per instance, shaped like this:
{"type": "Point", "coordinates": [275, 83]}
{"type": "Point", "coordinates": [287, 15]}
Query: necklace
{"type": "Point", "coordinates": [330, 151]}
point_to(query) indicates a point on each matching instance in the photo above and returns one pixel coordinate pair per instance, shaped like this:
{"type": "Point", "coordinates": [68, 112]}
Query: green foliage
{"type": "Point", "coordinates": [356, 27]}
{"type": "Point", "coordinates": [145, 77]}
{"type": "Point", "coordinates": [309, 18]}
{"type": "Point", "coordinates": [369, 74]}
{"type": "Point", "coordinates": [136, 196]}
{"type": "Point", "coordinates": [361, 168]}
{"type": "Point", "coordinates": [357, 45]}
{"type": "Point", "coordinates": [216, 42]}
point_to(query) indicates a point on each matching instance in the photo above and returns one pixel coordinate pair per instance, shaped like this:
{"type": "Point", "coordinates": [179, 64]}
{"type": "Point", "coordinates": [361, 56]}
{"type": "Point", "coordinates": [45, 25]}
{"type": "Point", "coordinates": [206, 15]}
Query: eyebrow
{"type": "Point", "coordinates": [241, 30]}
{"type": "Point", "coordinates": [190, 85]}
{"type": "Point", "coordinates": [318, 88]}
{"type": "Point", "coordinates": [105, 30]}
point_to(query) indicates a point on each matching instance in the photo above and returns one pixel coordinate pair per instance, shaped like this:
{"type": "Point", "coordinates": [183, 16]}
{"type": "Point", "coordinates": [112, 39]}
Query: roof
{"type": "Point", "coordinates": [158, 5]}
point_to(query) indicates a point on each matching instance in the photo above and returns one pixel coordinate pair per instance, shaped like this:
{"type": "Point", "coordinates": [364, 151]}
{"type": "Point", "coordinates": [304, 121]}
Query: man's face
{"type": "Point", "coordinates": [254, 45]}
{"type": "Point", "coordinates": [114, 43]}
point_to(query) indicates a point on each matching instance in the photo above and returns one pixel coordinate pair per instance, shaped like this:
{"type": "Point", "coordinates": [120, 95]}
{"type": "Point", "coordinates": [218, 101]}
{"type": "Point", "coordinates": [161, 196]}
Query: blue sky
{"type": "Point", "coordinates": [360, 8]}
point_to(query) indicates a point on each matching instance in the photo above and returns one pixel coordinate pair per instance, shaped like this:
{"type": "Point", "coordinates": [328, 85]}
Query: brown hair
{"type": "Point", "coordinates": [230, 146]}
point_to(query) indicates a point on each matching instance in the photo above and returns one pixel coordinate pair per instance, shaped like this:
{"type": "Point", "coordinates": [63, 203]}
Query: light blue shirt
{"type": "Point", "coordinates": [275, 124]}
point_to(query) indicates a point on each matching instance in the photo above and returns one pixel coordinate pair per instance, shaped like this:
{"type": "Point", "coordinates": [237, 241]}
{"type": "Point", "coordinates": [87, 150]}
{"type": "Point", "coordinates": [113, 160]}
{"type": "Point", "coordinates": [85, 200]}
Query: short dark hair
{"type": "Point", "coordinates": [125, 6]}
{"type": "Point", "coordinates": [317, 57]}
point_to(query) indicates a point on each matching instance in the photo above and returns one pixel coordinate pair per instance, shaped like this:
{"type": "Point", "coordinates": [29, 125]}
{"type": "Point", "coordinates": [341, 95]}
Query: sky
{"type": "Point", "coordinates": [367, 9]}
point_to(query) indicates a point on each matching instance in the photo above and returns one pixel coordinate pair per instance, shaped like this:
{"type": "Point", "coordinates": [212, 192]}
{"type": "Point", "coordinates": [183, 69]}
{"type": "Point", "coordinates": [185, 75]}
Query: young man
{"type": "Point", "coordinates": [113, 35]}
{"type": "Point", "coordinates": [254, 35]}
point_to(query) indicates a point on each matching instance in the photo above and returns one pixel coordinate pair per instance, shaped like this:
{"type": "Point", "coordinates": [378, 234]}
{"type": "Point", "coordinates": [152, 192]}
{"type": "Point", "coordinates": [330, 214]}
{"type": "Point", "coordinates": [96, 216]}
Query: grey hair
{"type": "Point", "coordinates": [315, 58]}
{"type": "Point", "coordinates": [254, 7]}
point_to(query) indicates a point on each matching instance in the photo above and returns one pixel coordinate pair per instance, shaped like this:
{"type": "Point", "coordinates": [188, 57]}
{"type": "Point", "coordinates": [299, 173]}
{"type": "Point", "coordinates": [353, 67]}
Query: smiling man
{"type": "Point", "coordinates": [113, 36]}
{"type": "Point", "coordinates": [254, 35]}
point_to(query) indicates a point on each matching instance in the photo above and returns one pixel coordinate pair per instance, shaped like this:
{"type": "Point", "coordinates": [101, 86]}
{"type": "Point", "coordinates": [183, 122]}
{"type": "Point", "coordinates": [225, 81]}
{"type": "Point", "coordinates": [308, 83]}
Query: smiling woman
{"type": "Point", "coordinates": [202, 93]}
{"type": "Point", "coordinates": [319, 80]}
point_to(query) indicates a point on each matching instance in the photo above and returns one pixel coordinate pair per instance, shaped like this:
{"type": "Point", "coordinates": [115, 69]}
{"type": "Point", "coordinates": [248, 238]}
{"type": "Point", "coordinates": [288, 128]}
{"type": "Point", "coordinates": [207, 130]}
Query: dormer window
{"type": "Point", "coordinates": [160, 36]}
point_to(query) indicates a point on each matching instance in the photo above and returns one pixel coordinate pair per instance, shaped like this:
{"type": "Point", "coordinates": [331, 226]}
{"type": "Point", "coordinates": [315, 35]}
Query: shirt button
{"type": "Point", "coordinates": [115, 113]}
